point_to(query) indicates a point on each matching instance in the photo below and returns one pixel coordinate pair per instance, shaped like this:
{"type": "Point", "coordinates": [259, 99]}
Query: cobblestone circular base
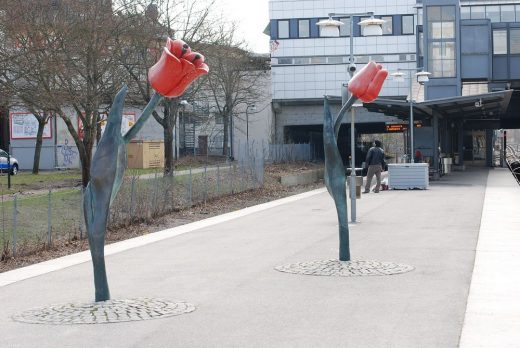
{"type": "Point", "coordinates": [336, 268]}
{"type": "Point", "coordinates": [113, 311]}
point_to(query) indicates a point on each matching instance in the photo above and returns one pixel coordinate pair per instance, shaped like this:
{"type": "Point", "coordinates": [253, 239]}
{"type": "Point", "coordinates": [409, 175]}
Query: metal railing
{"type": "Point", "coordinates": [39, 221]}
{"type": "Point", "coordinates": [513, 160]}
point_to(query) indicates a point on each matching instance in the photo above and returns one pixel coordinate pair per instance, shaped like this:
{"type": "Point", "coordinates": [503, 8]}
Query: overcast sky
{"type": "Point", "coordinates": [253, 17]}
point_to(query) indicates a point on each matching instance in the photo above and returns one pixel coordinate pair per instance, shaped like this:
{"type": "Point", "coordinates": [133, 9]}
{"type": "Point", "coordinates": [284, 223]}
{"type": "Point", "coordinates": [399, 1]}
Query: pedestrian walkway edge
{"type": "Point", "coordinates": [41, 268]}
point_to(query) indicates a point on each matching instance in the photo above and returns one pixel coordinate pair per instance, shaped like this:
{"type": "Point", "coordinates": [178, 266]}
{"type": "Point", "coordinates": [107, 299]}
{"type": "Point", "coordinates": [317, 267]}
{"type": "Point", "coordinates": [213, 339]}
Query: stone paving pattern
{"type": "Point", "coordinates": [113, 311]}
{"type": "Point", "coordinates": [345, 268]}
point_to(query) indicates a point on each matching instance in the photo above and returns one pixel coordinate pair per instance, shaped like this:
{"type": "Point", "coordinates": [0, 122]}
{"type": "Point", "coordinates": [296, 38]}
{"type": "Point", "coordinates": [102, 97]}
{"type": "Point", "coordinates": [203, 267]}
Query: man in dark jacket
{"type": "Point", "coordinates": [374, 162]}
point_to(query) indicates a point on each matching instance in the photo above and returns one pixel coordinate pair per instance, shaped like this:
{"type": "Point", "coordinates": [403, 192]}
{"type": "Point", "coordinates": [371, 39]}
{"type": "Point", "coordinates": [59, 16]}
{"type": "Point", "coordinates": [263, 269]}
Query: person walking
{"type": "Point", "coordinates": [375, 161]}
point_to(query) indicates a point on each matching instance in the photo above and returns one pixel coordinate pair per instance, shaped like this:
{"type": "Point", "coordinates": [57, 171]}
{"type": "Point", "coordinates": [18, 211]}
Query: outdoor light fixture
{"type": "Point", "coordinates": [329, 27]}
{"type": "Point", "coordinates": [422, 77]}
{"type": "Point", "coordinates": [372, 26]}
{"type": "Point", "coordinates": [369, 27]}
{"type": "Point", "coordinates": [398, 76]}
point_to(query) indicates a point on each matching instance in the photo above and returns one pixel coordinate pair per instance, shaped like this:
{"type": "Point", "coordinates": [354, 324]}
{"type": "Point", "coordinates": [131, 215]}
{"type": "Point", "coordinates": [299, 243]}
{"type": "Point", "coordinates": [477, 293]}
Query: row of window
{"type": "Point", "coordinates": [504, 45]}
{"type": "Point", "coordinates": [360, 59]}
{"type": "Point", "coordinates": [304, 28]}
{"type": "Point", "coordinates": [495, 13]}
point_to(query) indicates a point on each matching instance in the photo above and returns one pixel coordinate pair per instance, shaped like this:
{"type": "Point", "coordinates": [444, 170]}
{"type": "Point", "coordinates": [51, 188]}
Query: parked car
{"type": "Point", "coordinates": [3, 163]}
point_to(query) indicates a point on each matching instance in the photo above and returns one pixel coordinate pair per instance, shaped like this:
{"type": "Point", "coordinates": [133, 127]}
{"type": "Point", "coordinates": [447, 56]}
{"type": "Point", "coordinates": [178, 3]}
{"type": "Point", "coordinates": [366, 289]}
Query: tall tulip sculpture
{"type": "Point", "coordinates": [177, 68]}
{"type": "Point", "coordinates": [365, 86]}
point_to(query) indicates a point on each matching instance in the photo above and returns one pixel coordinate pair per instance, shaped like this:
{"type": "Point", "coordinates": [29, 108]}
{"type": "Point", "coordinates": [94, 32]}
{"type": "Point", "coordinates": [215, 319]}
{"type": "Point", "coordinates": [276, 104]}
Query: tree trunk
{"type": "Point", "coordinates": [38, 147]}
{"type": "Point", "coordinates": [85, 159]}
{"type": "Point", "coordinates": [225, 149]}
{"type": "Point", "coordinates": [168, 150]}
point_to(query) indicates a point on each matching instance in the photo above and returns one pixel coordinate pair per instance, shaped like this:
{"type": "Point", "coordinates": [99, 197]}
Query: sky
{"type": "Point", "coordinates": [253, 17]}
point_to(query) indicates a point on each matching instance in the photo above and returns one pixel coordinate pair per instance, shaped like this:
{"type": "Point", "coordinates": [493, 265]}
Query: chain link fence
{"type": "Point", "coordinates": [39, 221]}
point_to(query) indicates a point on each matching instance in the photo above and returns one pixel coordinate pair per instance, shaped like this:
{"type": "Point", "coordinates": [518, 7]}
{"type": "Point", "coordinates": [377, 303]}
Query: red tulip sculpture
{"type": "Point", "coordinates": [367, 84]}
{"type": "Point", "coordinates": [177, 68]}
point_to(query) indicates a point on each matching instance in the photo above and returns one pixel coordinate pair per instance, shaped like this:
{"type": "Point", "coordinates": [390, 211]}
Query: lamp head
{"type": "Point", "coordinates": [398, 76]}
{"type": "Point", "coordinates": [372, 26]}
{"type": "Point", "coordinates": [329, 27]}
{"type": "Point", "coordinates": [422, 77]}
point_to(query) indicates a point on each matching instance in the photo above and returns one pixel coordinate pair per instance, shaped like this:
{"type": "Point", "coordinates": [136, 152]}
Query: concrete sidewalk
{"type": "Point", "coordinates": [225, 267]}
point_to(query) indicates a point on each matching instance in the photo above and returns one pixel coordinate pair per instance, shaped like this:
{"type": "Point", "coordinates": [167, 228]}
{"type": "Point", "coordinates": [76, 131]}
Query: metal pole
{"type": "Point", "coordinates": [353, 168]}
{"type": "Point", "coordinates": [352, 135]}
{"type": "Point", "coordinates": [411, 118]}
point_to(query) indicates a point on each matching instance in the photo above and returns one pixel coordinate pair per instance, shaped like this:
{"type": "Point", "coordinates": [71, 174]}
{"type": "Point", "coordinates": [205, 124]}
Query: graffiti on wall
{"type": "Point", "coordinates": [67, 155]}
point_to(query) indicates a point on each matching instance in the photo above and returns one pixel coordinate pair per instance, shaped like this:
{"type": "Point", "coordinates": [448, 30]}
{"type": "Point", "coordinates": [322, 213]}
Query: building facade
{"type": "Point", "coordinates": [471, 49]}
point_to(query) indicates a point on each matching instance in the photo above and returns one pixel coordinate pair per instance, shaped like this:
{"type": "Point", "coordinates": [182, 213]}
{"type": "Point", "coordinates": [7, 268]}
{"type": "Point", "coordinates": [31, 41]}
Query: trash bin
{"type": "Point", "coordinates": [446, 164]}
{"type": "Point", "coordinates": [359, 184]}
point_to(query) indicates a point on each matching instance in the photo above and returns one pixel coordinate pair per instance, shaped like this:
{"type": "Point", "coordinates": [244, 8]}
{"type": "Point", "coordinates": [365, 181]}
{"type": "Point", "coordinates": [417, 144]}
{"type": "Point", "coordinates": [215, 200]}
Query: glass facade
{"type": "Point", "coordinates": [514, 41]}
{"type": "Point", "coordinates": [388, 25]}
{"type": "Point", "coordinates": [283, 29]}
{"type": "Point", "coordinates": [344, 30]}
{"type": "Point", "coordinates": [304, 28]}
{"type": "Point", "coordinates": [407, 25]}
{"type": "Point", "coordinates": [441, 41]}
{"type": "Point", "coordinates": [495, 13]}
{"type": "Point", "coordinates": [499, 41]}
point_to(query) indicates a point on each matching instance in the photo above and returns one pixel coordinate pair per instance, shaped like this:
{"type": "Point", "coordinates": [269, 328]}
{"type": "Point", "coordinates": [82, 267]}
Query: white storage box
{"type": "Point", "coordinates": [408, 176]}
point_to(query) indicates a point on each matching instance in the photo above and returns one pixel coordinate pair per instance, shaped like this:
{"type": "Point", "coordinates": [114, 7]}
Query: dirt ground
{"type": "Point", "coordinates": [272, 190]}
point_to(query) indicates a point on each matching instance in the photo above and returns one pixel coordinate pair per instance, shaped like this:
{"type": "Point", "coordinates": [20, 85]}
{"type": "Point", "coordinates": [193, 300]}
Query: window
{"type": "Point", "coordinates": [335, 60]}
{"type": "Point", "coordinates": [344, 30]}
{"type": "Point", "coordinates": [465, 12]}
{"type": "Point", "coordinates": [303, 28]}
{"type": "Point", "coordinates": [388, 25]}
{"type": "Point", "coordinates": [283, 29]}
{"type": "Point", "coordinates": [517, 10]}
{"type": "Point", "coordinates": [514, 41]}
{"type": "Point", "coordinates": [507, 13]}
{"type": "Point", "coordinates": [285, 61]}
{"type": "Point", "coordinates": [493, 13]}
{"type": "Point", "coordinates": [407, 25]}
{"type": "Point", "coordinates": [441, 45]}
{"type": "Point", "coordinates": [318, 60]}
{"type": "Point", "coordinates": [478, 12]}
{"type": "Point", "coordinates": [499, 41]}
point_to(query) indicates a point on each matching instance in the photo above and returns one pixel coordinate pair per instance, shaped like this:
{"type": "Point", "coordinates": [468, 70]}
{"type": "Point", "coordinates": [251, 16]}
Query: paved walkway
{"type": "Point", "coordinates": [224, 265]}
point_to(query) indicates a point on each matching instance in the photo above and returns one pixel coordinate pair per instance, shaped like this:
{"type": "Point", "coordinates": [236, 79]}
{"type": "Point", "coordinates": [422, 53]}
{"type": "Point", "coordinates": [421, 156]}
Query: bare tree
{"type": "Point", "coordinates": [236, 77]}
{"type": "Point", "coordinates": [151, 24]}
{"type": "Point", "coordinates": [60, 55]}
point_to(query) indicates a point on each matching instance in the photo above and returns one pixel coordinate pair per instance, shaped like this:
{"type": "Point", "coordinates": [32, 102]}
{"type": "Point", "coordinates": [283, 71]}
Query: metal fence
{"type": "Point", "coordinates": [281, 153]}
{"type": "Point", "coordinates": [513, 160]}
{"type": "Point", "coordinates": [36, 222]}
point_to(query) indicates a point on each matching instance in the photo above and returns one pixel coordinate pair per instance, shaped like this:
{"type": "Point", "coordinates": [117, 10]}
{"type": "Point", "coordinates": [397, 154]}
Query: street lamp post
{"type": "Point", "coordinates": [422, 77]}
{"type": "Point", "coordinates": [330, 28]}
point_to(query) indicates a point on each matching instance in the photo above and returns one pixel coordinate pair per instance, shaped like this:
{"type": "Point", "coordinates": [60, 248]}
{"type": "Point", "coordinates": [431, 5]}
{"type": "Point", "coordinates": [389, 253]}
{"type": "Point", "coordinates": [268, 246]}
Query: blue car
{"type": "Point", "coordinates": [3, 163]}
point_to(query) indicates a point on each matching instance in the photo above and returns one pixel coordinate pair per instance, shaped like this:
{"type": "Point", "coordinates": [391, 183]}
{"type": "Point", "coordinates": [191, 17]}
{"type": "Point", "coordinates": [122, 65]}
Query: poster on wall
{"type": "Point", "coordinates": [126, 123]}
{"type": "Point", "coordinates": [24, 125]}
